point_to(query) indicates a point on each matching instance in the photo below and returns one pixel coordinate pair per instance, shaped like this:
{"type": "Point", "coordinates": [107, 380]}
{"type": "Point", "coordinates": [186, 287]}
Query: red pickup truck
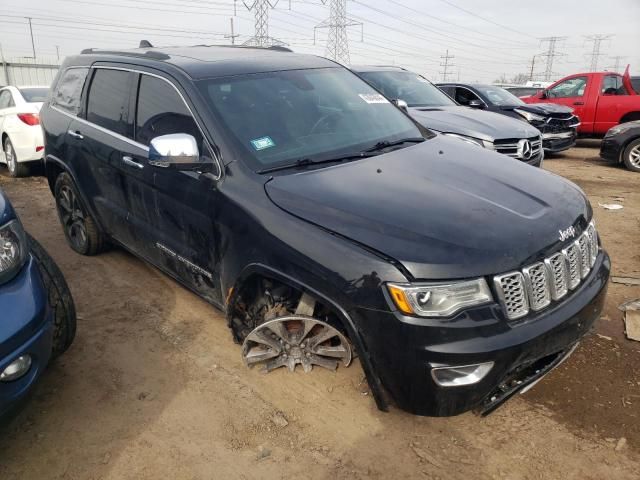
{"type": "Point", "coordinates": [600, 99]}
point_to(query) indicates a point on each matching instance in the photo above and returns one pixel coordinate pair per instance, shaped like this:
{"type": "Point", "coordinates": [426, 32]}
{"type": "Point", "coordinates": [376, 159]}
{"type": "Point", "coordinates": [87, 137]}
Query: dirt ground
{"type": "Point", "coordinates": [154, 386]}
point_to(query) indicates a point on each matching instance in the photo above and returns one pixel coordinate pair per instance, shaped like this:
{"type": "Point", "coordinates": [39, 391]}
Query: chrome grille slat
{"type": "Point", "coordinates": [557, 267]}
{"type": "Point", "coordinates": [512, 290]}
{"type": "Point", "coordinates": [538, 284]}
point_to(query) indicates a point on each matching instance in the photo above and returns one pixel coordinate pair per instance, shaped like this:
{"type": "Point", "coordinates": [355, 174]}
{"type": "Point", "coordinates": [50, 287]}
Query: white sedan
{"type": "Point", "coordinates": [20, 131]}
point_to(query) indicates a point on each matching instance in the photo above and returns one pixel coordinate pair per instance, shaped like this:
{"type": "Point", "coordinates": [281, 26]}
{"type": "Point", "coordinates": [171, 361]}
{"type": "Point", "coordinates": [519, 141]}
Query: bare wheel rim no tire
{"type": "Point", "coordinates": [296, 340]}
{"type": "Point", "coordinates": [72, 217]}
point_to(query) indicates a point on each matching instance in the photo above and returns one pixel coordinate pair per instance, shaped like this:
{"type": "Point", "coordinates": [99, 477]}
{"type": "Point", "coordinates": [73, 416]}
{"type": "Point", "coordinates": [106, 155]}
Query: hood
{"type": "Point", "coordinates": [544, 109]}
{"type": "Point", "coordinates": [472, 123]}
{"type": "Point", "coordinates": [442, 208]}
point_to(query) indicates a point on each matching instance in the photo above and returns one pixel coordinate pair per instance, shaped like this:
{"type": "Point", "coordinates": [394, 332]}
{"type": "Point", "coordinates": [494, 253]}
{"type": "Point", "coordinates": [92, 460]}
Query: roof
{"type": "Point", "coordinates": [376, 68]}
{"type": "Point", "coordinates": [208, 61]}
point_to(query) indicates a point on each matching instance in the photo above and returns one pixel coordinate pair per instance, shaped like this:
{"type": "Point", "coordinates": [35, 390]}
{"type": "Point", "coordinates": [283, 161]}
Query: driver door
{"type": "Point", "coordinates": [571, 93]}
{"type": "Point", "coordinates": [174, 210]}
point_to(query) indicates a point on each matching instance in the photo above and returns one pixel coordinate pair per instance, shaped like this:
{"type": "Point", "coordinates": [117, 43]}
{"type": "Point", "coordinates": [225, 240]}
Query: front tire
{"type": "Point", "coordinates": [631, 156]}
{"type": "Point", "coordinates": [80, 229]}
{"type": "Point", "coordinates": [59, 296]}
{"type": "Point", "coordinates": [15, 168]}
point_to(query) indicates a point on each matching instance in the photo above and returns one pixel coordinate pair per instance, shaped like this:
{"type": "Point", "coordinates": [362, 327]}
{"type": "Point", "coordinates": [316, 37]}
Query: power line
{"type": "Point", "coordinates": [337, 23]}
{"type": "Point", "coordinates": [550, 54]}
{"type": "Point", "coordinates": [261, 36]}
{"type": "Point", "coordinates": [486, 19]}
{"type": "Point", "coordinates": [446, 65]}
{"type": "Point", "coordinates": [597, 40]}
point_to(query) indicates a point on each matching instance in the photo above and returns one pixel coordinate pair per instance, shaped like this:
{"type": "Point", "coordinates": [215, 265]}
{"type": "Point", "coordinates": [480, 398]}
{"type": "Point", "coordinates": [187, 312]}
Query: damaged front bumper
{"type": "Point", "coordinates": [404, 350]}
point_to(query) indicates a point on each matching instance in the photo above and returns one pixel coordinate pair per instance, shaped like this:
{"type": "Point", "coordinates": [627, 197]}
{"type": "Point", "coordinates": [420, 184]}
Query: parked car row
{"type": "Point", "coordinates": [327, 212]}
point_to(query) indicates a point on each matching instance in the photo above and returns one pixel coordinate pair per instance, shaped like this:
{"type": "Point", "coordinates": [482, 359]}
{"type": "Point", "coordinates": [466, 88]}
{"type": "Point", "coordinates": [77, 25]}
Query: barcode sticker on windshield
{"type": "Point", "coordinates": [373, 98]}
{"type": "Point", "coordinates": [262, 143]}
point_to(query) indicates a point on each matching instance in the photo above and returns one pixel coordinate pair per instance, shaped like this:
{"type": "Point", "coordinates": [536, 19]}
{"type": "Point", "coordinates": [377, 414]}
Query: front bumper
{"type": "Point", "coordinates": [404, 349]}
{"type": "Point", "coordinates": [554, 142]}
{"type": "Point", "coordinates": [610, 149]}
{"type": "Point", "coordinates": [26, 328]}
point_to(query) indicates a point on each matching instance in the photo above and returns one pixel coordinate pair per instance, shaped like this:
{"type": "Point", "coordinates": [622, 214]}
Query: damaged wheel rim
{"type": "Point", "coordinates": [296, 340]}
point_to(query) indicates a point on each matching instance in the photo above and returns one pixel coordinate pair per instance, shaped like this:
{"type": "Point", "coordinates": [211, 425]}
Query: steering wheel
{"type": "Point", "coordinates": [323, 120]}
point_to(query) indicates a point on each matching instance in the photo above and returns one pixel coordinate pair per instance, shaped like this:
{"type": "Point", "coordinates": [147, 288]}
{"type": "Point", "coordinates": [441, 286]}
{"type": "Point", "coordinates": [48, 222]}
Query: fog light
{"type": "Point", "coordinates": [16, 369]}
{"type": "Point", "coordinates": [460, 375]}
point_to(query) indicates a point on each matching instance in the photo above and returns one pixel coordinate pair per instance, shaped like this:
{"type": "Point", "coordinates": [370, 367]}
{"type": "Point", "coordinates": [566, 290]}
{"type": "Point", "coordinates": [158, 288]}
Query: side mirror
{"type": "Point", "coordinates": [401, 104]}
{"type": "Point", "coordinates": [543, 95]}
{"type": "Point", "coordinates": [177, 150]}
{"type": "Point", "coordinates": [475, 104]}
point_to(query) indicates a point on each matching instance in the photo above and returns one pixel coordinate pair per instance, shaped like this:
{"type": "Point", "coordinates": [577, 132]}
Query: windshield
{"type": "Point", "coordinates": [414, 89]}
{"type": "Point", "coordinates": [278, 118]}
{"type": "Point", "coordinates": [34, 95]}
{"type": "Point", "coordinates": [498, 96]}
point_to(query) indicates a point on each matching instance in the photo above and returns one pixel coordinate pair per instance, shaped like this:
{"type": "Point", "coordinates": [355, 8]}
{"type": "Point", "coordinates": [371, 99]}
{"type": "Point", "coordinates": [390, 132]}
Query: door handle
{"type": "Point", "coordinates": [127, 160]}
{"type": "Point", "coordinates": [77, 135]}
{"type": "Point", "coordinates": [578, 103]}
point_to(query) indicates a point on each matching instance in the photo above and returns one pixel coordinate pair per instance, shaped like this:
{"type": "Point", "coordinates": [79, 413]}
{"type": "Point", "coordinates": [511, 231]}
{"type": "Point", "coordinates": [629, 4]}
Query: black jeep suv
{"type": "Point", "coordinates": [324, 222]}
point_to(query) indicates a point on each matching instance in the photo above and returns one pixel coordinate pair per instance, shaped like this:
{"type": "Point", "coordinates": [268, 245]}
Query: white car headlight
{"type": "Point", "coordinates": [13, 250]}
{"type": "Point", "coordinates": [472, 140]}
{"type": "Point", "coordinates": [439, 299]}
{"type": "Point", "coordinates": [531, 117]}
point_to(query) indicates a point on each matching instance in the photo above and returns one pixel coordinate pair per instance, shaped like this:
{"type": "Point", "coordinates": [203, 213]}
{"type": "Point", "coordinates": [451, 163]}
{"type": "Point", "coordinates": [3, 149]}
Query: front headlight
{"type": "Point", "coordinates": [439, 299]}
{"type": "Point", "coordinates": [530, 117]}
{"type": "Point", "coordinates": [472, 140]}
{"type": "Point", "coordinates": [13, 250]}
{"type": "Point", "coordinates": [618, 130]}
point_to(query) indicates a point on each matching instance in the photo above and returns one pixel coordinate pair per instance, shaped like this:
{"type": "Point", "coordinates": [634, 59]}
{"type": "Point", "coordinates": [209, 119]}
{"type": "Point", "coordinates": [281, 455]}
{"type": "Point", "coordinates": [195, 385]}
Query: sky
{"type": "Point", "coordinates": [488, 39]}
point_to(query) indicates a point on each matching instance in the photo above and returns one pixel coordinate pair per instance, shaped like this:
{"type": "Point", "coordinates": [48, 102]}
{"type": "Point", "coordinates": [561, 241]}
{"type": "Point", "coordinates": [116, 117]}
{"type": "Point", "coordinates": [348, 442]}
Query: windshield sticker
{"type": "Point", "coordinates": [373, 98]}
{"type": "Point", "coordinates": [262, 143]}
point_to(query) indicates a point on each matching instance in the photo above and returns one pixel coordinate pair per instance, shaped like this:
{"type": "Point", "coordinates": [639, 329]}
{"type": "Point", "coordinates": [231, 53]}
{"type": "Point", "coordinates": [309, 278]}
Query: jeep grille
{"type": "Point", "coordinates": [537, 285]}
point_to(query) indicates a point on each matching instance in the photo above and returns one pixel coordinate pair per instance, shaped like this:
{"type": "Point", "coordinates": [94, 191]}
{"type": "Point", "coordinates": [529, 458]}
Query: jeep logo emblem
{"type": "Point", "coordinates": [567, 233]}
{"type": "Point", "coordinates": [524, 149]}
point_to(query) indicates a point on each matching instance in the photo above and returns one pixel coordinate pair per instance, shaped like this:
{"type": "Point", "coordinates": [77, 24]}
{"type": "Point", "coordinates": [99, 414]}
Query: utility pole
{"type": "Point", "coordinates": [551, 54]}
{"type": "Point", "coordinates": [595, 52]}
{"type": "Point", "coordinates": [337, 23]}
{"type": "Point", "coordinates": [261, 36]}
{"type": "Point", "coordinates": [33, 45]}
{"type": "Point", "coordinates": [533, 66]}
{"type": "Point", "coordinates": [446, 65]}
{"type": "Point", "coordinates": [233, 36]}
{"type": "Point", "coordinates": [58, 52]}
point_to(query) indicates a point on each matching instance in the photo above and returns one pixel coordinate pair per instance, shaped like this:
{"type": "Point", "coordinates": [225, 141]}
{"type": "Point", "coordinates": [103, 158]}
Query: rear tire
{"type": "Point", "coordinates": [631, 156]}
{"type": "Point", "coordinates": [80, 229]}
{"type": "Point", "coordinates": [15, 168]}
{"type": "Point", "coordinates": [59, 296]}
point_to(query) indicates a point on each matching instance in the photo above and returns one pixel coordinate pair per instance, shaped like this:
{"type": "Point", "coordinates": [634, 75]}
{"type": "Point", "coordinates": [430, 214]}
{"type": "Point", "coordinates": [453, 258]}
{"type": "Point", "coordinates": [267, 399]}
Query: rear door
{"type": "Point", "coordinates": [173, 211]}
{"type": "Point", "coordinates": [97, 144]}
{"type": "Point", "coordinates": [611, 106]}
{"type": "Point", "coordinates": [6, 108]}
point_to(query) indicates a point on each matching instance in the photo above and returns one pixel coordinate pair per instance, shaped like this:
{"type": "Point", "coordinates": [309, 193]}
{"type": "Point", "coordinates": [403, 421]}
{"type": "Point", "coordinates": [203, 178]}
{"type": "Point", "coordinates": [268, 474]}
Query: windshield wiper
{"type": "Point", "coordinates": [385, 144]}
{"type": "Point", "coordinates": [305, 162]}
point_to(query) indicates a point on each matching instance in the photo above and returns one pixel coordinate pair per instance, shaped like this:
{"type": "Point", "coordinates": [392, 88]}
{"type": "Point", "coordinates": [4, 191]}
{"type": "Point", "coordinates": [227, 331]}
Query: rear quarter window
{"type": "Point", "coordinates": [69, 90]}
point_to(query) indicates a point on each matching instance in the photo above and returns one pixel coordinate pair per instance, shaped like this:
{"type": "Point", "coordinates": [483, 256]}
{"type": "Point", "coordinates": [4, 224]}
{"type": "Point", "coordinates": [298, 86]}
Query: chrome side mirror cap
{"type": "Point", "coordinates": [401, 104]}
{"type": "Point", "coordinates": [177, 150]}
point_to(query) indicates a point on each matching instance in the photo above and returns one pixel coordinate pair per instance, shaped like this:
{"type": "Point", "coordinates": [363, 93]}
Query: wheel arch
{"type": "Point", "coordinates": [630, 117]}
{"type": "Point", "coordinates": [624, 147]}
{"type": "Point", "coordinates": [257, 270]}
{"type": "Point", "coordinates": [53, 168]}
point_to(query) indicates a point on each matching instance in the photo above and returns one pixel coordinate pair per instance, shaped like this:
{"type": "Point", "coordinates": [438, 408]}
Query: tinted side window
{"type": "Point", "coordinates": [161, 111]}
{"type": "Point", "coordinates": [108, 104]}
{"type": "Point", "coordinates": [574, 87]}
{"type": "Point", "coordinates": [69, 90]}
{"type": "Point", "coordinates": [464, 96]}
{"type": "Point", "coordinates": [448, 90]}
